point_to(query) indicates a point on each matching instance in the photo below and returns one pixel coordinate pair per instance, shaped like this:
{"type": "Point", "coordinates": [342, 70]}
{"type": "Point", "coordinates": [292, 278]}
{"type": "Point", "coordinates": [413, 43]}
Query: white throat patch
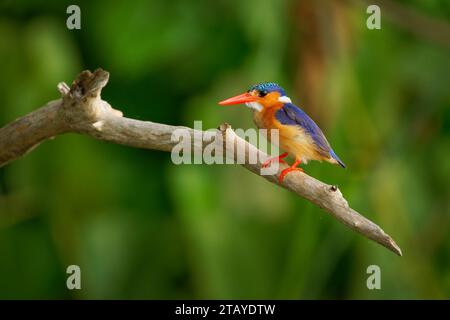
{"type": "Point", "coordinates": [284, 99]}
{"type": "Point", "coordinates": [254, 105]}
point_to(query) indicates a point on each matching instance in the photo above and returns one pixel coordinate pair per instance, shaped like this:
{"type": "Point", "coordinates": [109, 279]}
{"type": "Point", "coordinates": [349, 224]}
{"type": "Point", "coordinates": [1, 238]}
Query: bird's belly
{"type": "Point", "coordinates": [298, 143]}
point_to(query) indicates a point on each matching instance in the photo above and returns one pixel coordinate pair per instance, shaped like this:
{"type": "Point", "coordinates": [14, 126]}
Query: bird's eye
{"type": "Point", "coordinates": [263, 93]}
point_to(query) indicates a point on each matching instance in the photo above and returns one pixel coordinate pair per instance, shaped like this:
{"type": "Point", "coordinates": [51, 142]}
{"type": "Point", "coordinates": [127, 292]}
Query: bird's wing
{"type": "Point", "coordinates": [290, 114]}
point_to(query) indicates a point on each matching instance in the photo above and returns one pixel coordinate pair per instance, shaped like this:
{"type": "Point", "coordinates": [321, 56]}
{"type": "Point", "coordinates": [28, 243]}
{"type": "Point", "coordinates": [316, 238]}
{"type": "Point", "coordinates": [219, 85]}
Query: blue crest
{"type": "Point", "coordinates": [268, 86]}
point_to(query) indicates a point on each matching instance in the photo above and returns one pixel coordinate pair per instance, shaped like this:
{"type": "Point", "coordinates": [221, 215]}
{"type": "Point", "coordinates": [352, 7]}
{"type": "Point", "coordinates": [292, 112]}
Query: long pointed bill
{"type": "Point", "coordinates": [242, 98]}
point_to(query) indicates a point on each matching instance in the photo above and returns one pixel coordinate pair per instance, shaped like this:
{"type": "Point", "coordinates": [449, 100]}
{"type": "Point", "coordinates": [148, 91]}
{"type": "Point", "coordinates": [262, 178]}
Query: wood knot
{"type": "Point", "coordinates": [89, 83]}
{"type": "Point", "coordinates": [224, 126]}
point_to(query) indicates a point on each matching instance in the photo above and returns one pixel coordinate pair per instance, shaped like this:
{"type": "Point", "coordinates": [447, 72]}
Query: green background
{"type": "Point", "coordinates": [142, 227]}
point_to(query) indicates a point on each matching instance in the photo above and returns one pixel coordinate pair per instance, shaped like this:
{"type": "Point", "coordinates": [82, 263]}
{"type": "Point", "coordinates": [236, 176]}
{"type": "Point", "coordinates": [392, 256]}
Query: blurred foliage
{"type": "Point", "coordinates": [141, 227]}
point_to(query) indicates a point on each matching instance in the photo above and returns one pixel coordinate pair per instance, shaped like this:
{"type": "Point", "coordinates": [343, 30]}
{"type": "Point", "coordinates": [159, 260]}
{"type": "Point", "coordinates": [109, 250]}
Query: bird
{"type": "Point", "coordinates": [299, 135]}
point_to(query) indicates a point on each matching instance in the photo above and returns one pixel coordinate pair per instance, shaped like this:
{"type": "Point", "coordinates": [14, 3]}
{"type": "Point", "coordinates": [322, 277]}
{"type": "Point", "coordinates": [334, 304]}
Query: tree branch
{"type": "Point", "coordinates": [81, 110]}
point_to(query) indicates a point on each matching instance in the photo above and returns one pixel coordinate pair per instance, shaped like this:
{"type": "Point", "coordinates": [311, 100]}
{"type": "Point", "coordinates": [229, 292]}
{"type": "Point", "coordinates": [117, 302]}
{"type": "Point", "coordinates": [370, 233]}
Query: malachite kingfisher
{"type": "Point", "coordinates": [299, 135]}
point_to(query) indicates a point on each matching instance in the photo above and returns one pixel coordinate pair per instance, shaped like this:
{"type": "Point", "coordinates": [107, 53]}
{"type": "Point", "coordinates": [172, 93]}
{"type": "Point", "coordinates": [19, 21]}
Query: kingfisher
{"type": "Point", "coordinates": [299, 135]}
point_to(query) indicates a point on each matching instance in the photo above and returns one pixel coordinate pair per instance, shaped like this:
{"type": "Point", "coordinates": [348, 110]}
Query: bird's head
{"type": "Point", "coordinates": [260, 96]}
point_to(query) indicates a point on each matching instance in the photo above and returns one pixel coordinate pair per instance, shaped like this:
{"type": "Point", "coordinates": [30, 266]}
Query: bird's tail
{"type": "Point", "coordinates": [335, 157]}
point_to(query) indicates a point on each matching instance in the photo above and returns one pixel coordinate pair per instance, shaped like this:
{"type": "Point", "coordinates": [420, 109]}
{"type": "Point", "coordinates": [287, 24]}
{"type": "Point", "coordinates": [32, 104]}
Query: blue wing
{"type": "Point", "coordinates": [290, 114]}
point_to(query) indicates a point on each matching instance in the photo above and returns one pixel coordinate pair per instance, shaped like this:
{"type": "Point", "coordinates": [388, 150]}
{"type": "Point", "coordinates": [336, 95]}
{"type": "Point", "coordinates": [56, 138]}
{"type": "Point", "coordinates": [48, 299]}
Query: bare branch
{"type": "Point", "coordinates": [82, 110]}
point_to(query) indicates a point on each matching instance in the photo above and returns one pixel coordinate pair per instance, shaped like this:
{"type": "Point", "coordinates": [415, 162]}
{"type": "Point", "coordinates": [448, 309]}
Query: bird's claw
{"type": "Point", "coordinates": [269, 162]}
{"type": "Point", "coordinates": [286, 171]}
{"type": "Point", "coordinates": [278, 159]}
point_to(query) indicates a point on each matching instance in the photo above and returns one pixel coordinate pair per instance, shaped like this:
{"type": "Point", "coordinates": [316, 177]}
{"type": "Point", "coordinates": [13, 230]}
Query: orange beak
{"type": "Point", "coordinates": [242, 98]}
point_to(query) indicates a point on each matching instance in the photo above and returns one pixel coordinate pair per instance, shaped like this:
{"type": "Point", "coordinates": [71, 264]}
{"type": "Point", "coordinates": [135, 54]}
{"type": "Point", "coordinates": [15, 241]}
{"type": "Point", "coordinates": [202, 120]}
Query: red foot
{"type": "Point", "coordinates": [278, 159]}
{"type": "Point", "coordinates": [291, 168]}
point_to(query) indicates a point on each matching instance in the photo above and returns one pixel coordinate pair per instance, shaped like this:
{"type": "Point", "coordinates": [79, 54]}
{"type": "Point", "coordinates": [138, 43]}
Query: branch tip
{"type": "Point", "coordinates": [63, 88]}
